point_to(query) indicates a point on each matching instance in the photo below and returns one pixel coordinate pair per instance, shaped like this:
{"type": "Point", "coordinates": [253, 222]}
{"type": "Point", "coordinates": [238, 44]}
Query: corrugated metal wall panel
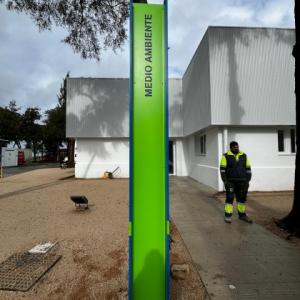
{"type": "Point", "coordinates": [175, 108]}
{"type": "Point", "coordinates": [252, 76]}
{"type": "Point", "coordinates": [196, 91]}
{"type": "Point", "coordinates": [238, 76]}
{"type": "Point", "coordinates": [99, 107]}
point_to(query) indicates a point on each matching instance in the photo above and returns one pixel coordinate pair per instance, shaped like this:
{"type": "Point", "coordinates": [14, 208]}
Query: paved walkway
{"type": "Point", "coordinates": [238, 260]}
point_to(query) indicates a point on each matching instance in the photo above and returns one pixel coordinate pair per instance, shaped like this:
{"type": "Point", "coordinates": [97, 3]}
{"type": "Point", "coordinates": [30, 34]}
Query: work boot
{"type": "Point", "coordinates": [228, 219]}
{"type": "Point", "coordinates": [246, 219]}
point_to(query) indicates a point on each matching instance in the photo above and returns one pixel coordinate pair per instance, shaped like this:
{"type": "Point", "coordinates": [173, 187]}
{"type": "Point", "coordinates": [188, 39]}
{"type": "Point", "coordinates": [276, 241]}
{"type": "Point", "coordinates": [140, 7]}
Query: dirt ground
{"type": "Point", "coordinates": [263, 207]}
{"type": "Point", "coordinates": [36, 207]}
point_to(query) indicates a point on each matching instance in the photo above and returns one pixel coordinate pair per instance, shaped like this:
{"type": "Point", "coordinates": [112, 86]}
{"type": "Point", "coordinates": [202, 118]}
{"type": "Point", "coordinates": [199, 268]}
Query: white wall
{"type": "Point", "coordinates": [204, 168]}
{"type": "Point", "coordinates": [180, 158]}
{"type": "Point", "coordinates": [272, 171]}
{"type": "Point", "coordinates": [96, 156]}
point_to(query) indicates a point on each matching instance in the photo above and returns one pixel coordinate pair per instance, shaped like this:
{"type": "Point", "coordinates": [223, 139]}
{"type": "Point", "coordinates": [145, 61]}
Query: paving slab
{"type": "Point", "coordinates": [235, 261]}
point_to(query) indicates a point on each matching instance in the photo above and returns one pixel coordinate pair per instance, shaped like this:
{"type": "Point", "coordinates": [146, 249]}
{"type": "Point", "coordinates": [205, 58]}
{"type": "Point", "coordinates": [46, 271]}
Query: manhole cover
{"type": "Point", "coordinates": [22, 270]}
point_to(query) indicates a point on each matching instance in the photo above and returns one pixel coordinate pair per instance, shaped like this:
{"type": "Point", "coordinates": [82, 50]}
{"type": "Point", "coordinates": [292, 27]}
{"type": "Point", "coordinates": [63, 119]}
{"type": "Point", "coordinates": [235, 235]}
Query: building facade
{"type": "Point", "coordinates": [238, 86]}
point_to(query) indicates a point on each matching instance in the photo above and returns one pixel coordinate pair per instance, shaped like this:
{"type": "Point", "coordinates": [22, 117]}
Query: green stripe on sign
{"type": "Point", "coordinates": [149, 154]}
{"type": "Point", "coordinates": [168, 227]}
{"type": "Point", "coordinates": [129, 228]}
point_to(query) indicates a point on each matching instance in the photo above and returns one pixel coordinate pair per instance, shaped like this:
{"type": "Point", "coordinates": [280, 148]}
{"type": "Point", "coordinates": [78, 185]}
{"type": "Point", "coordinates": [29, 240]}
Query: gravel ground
{"type": "Point", "coordinates": [10, 171]}
{"type": "Point", "coordinates": [35, 207]}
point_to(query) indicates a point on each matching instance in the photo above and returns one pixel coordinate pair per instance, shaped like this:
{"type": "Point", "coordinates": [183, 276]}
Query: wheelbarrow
{"type": "Point", "coordinates": [110, 175]}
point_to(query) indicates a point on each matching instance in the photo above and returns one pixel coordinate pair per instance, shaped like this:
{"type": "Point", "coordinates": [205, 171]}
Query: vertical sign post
{"type": "Point", "coordinates": [149, 180]}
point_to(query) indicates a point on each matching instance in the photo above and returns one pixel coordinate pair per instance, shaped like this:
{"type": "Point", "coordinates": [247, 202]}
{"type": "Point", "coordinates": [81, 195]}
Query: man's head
{"type": "Point", "coordinates": [234, 147]}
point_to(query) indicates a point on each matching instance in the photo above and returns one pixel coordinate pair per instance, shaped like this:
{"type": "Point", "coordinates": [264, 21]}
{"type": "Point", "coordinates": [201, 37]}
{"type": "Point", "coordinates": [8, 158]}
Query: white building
{"type": "Point", "coordinates": [238, 86]}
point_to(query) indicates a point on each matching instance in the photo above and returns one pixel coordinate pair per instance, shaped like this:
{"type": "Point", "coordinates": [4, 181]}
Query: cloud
{"type": "Point", "coordinates": [277, 13]}
{"type": "Point", "coordinates": [237, 14]}
{"type": "Point", "coordinates": [33, 63]}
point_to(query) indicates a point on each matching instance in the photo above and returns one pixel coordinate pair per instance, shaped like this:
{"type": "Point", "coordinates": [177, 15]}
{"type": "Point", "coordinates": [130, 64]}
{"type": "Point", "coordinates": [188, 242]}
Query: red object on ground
{"type": "Point", "coordinates": [21, 158]}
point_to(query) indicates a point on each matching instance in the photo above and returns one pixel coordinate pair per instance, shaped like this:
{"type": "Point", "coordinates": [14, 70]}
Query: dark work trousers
{"type": "Point", "coordinates": [239, 189]}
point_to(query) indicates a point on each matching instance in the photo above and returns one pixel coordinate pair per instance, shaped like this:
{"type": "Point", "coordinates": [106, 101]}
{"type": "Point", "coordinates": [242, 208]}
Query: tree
{"type": "Point", "coordinates": [10, 123]}
{"type": "Point", "coordinates": [12, 106]}
{"type": "Point", "coordinates": [292, 221]}
{"type": "Point", "coordinates": [62, 100]}
{"type": "Point", "coordinates": [32, 131]}
{"type": "Point", "coordinates": [54, 130]}
{"type": "Point", "coordinates": [55, 124]}
{"type": "Point", "coordinates": [62, 95]}
{"type": "Point", "coordinates": [92, 25]}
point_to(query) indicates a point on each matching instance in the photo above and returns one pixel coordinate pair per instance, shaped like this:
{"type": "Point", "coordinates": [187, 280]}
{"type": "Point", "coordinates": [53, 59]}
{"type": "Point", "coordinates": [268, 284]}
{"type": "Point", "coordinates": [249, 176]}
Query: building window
{"type": "Point", "coordinates": [203, 144]}
{"type": "Point", "coordinates": [293, 140]}
{"type": "Point", "coordinates": [200, 144]}
{"type": "Point", "coordinates": [280, 140]}
{"type": "Point", "coordinates": [287, 141]}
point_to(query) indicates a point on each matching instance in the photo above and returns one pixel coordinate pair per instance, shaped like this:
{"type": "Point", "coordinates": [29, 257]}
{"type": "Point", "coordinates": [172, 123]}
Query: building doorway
{"type": "Point", "coordinates": [171, 158]}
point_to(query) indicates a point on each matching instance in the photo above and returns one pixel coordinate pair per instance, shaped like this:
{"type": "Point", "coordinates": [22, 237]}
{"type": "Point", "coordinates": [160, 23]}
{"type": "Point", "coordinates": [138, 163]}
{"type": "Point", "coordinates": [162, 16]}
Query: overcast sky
{"type": "Point", "coordinates": [33, 63]}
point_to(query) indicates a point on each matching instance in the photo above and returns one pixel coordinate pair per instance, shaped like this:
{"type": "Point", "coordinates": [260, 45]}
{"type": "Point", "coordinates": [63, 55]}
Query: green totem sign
{"type": "Point", "coordinates": [149, 204]}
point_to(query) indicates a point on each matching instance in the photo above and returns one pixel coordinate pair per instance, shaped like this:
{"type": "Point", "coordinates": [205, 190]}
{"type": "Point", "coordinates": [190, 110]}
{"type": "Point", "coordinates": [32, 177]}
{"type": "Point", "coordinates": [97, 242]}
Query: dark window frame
{"type": "Point", "coordinates": [203, 144]}
{"type": "Point", "coordinates": [281, 142]}
{"type": "Point", "coordinates": [293, 140]}
{"type": "Point", "coordinates": [200, 144]}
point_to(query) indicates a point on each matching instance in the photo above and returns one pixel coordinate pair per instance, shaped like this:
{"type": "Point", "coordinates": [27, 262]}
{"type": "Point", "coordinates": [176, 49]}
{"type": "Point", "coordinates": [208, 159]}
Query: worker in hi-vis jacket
{"type": "Point", "coordinates": [236, 174]}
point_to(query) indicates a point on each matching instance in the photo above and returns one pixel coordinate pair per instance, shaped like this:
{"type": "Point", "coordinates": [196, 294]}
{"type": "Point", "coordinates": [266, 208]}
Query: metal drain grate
{"type": "Point", "coordinates": [22, 270]}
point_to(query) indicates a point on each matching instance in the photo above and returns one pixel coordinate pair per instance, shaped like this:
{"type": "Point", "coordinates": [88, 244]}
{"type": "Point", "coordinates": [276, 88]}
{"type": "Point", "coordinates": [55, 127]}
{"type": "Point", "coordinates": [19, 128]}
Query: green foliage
{"type": "Point", "coordinates": [31, 130]}
{"type": "Point", "coordinates": [10, 123]}
{"type": "Point", "coordinates": [62, 96]}
{"type": "Point", "coordinates": [54, 134]}
{"type": "Point", "coordinates": [16, 127]}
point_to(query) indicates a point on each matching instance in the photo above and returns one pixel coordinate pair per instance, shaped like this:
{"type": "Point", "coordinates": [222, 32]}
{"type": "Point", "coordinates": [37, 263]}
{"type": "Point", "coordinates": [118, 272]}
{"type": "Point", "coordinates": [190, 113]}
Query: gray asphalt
{"type": "Point", "coordinates": [238, 260]}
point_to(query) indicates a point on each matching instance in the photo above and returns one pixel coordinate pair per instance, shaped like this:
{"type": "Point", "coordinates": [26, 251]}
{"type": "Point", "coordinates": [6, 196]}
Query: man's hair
{"type": "Point", "coordinates": [233, 143]}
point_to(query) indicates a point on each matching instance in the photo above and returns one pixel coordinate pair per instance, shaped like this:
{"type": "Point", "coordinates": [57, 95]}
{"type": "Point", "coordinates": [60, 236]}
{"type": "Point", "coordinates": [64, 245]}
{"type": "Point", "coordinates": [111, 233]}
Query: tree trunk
{"type": "Point", "coordinates": [292, 221]}
{"type": "Point", "coordinates": [57, 153]}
